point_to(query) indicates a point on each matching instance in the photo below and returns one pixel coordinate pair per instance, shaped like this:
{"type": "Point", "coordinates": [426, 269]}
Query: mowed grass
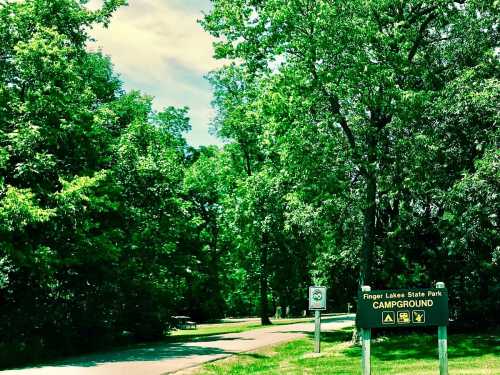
{"type": "Point", "coordinates": [406, 354]}
{"type": "Point", "coordinates": [222, 328]}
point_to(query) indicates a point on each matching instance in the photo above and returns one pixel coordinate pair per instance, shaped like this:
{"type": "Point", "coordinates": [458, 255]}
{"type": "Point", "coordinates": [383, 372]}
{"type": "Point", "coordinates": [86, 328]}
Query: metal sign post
{"type": "Point", "coordinates": [317, 331]}
{"type": "Point", "coordinates": [317, 302]}
{"type": "Point", "coordinates": [366, 335]}
{"type": "Point", "coordinates": [442, 343]}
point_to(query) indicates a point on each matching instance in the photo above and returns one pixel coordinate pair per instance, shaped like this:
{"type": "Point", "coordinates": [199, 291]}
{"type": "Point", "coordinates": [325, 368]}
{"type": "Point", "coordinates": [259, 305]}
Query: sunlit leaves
{"type": "Point", "coordinates": [19, 208]}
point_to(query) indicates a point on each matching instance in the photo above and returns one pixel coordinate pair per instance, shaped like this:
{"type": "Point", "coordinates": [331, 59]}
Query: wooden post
{"type": "Point", "coordinates": [366, 335]}
{"type": "Point", "coordinates": [442, 343]}
{"type": "Point", "coordinates": [317, 331]}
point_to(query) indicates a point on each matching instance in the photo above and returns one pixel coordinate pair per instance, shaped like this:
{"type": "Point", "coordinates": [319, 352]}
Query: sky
{"type": "Point", "coordinates": [158, 47]}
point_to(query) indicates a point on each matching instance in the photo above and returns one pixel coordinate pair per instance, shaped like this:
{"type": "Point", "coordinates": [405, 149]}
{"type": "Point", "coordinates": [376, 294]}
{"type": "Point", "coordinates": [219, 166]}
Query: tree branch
{"type": "Point", "coordinates": [420, 37]}
{"type": "Point", "coordinates": [333, 101]}
{"type": "Point", "coordinates": [335, 109]}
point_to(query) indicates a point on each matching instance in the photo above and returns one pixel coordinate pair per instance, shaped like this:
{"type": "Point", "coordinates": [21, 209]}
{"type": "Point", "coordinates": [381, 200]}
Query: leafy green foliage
{"type": "Point", "coordinates": [367, 113]}
{"type": "Point", "coordinates": [361, 147]}
{"type": "Point", "coordinates": [91, 209]}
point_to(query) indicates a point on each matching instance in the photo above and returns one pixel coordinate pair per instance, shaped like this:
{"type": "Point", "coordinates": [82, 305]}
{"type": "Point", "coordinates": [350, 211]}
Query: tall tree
{"type": "Point", "coordinates": [91, 208]}
{"type": "Point", "coordinates": [360, 63]}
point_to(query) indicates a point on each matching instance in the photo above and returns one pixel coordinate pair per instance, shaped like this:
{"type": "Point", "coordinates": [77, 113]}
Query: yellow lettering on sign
{"type": "Point", "coordinates": [372, 296]}
{"type": "Point", "coordinates": [401, 304]}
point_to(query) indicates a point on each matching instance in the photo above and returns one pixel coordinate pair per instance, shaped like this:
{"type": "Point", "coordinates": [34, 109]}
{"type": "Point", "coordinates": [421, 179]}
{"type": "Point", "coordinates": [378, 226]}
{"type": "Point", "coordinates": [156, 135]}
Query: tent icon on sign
{"type": "Point", "coordinates": [388, 317]}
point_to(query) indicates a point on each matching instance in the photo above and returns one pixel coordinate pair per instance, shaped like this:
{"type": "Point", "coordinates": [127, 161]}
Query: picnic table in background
{"type": "Point", "coordinates": [183, 322]}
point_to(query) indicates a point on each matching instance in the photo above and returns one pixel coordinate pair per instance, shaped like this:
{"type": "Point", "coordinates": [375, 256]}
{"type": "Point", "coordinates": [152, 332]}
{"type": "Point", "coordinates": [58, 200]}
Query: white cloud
{"type": "Point", "coordinates": [158, 47]}
{"type": "Point", "coordinates": [148, 32]}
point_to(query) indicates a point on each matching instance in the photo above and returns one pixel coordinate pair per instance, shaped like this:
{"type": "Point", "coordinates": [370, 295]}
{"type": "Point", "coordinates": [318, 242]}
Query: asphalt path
{"type": "Point", "coordinates": [166, 358]}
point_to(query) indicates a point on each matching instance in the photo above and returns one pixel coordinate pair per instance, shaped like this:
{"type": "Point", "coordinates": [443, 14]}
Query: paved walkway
{"type": "Point", "coordinates": [172, 357]}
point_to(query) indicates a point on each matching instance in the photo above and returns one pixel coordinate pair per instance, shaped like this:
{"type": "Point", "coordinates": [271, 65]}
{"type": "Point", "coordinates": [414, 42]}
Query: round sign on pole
{"type": "Point", "coordinates": [317, 298]}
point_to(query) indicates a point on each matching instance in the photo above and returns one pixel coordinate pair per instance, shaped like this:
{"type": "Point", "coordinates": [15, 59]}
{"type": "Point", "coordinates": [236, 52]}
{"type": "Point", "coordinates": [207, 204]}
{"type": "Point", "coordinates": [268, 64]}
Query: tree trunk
{"type": "Point", "coordinates": [369, 212]}
{"type": "Point", "coordinates": [264, 303]}
{"type": "Point", "coordinates": [215, 275]}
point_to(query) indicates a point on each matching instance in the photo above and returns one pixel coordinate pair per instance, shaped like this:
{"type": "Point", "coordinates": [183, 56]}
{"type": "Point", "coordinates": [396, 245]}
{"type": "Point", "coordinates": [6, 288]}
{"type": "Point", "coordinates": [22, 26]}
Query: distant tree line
{"type": "Point", "coordinates": [361, 147]}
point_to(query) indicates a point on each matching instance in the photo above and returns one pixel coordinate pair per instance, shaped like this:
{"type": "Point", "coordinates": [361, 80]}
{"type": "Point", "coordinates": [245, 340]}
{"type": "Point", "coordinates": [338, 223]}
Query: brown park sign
{"type": "Point", "coordinates": [402, 308]}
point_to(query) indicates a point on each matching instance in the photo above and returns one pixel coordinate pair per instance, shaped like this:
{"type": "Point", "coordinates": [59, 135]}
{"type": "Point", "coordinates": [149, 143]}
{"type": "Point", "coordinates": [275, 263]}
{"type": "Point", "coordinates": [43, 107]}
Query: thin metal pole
{"type": "Point", "coordinates": [442, 343]}
{"type": "Point", "coordinates": [366, 335]}
{"type": "Point", "coordinates": [317, 331]}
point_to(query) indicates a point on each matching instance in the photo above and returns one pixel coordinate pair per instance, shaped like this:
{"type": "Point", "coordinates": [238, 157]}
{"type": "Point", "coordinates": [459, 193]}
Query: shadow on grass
{"type": "Point", "coordinates": [252, 355]}
{"type": "Point", "coordinates": [417, 346]}
{"type": "Point", "coordinates": [425, 346]}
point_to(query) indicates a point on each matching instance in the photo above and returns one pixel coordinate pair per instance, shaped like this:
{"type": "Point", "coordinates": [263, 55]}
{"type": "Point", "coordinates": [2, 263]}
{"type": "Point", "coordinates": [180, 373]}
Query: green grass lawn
{"type": "Point", "coordinates": [408, 354]}
{"type": "Point", "coordinates": [219, 329]}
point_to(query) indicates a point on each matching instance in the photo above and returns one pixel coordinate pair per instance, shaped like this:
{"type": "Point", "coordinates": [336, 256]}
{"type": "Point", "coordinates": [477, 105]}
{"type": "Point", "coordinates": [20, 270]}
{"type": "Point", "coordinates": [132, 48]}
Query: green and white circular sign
{"type": "Point", "coordinates": [317, 298]}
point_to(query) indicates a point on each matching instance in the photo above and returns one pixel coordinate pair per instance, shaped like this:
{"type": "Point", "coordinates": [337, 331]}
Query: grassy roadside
{"type": "Point", "coordinates": [222, 328]}
{"type": "Point", "coordinates": [408, 354]}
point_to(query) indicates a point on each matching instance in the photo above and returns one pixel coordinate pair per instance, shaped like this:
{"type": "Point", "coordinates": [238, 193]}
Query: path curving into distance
{"type": "Point", "coordinates": [165, 358]}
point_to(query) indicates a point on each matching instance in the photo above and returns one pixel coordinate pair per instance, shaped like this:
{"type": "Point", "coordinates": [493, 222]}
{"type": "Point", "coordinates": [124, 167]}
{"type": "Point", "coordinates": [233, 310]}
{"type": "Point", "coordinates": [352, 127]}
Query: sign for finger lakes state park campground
{"type": "Point", "coordinates": [393, 308]}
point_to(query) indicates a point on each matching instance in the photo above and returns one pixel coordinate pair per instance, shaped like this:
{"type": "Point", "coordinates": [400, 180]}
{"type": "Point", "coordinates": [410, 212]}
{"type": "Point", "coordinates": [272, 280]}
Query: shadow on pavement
{"type": "Point", "coordinates": [218, 338]}
{"type": "Point", "coordinates": [167, 350]}
{"type": "Point", "coordinates": [151, 353]}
